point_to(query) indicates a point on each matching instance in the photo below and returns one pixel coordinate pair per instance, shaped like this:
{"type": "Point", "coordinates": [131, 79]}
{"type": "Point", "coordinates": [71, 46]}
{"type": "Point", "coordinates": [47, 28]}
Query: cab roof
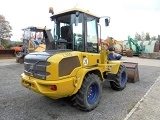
{"type": "Point", "coordinates": [33, 28]}
{"type": "Point", "coordinates": [74, 10]}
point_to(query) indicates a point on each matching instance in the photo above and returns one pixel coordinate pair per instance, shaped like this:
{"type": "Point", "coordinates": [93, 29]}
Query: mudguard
{"type": "Point", "coordinates": [80, 77]}
{"type": "Point", "coordinates": [113, 66]}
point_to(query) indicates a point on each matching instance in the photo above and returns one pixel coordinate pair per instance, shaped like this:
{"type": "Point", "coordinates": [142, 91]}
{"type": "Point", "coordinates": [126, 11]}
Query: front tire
{"type": "Point", "coordinates": [89, 95]}
{"type": "Point", "coordinates": [120, 80]}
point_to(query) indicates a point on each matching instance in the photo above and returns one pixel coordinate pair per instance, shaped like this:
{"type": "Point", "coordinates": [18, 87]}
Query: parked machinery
{"type": "Point", "coordinates": [33, 41]}
{"type": "Point", "coordinates": [115, 52]}
{"type": "Point", "coordinates": [6, 53]}
{"type": "Point", "coordinates": [120, 43]}
{"type": "Point", "coordinates": [70, 67]}
{"type": "Point", "coordinates": [138, 48]}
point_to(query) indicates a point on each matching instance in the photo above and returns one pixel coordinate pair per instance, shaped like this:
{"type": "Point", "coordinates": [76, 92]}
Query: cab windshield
{"type": "Point", "coordinates": [67, 32]}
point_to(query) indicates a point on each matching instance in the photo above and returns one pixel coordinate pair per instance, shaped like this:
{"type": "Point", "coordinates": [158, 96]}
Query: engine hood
{"type": "Point", "coordinates": [43, 56]}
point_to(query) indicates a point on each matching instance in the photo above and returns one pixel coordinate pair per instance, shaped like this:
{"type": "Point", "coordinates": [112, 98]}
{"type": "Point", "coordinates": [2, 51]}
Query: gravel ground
{"type": "Point", "coordinates": [17, 102]}
{"type": "Point", "coordinates": [4, 62]}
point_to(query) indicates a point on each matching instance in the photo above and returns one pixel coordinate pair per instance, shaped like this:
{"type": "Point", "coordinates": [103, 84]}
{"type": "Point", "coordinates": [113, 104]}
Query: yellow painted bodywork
{"type": "Point", "coordinates": [64, 86]}
{"type": "Point", "coordinates": [70, 84]}
{"type": "Point", "coordinates": [41, 47]}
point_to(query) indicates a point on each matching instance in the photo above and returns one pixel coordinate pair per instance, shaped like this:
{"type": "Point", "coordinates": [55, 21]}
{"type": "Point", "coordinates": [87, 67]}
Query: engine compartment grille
{"type": "Point", "coordinates": [36, 69]}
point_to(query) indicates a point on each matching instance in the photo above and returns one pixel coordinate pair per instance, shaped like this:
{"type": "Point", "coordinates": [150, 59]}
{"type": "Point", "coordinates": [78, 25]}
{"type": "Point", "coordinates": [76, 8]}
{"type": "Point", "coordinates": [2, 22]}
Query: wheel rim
{"type": "Point", "coordinates": [123, 78]}
{"type": "Point", "coordinates": [92, 93]}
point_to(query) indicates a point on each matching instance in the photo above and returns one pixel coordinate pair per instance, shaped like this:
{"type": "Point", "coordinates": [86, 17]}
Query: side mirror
{"type": "Point", "coordinates": [107, 21]}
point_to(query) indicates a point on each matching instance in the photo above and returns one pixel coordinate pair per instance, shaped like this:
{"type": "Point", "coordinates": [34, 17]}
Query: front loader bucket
{"type": "Point", "coordinates": [132, 70]}
{"type": "Point", "coordinates": [7, 53]}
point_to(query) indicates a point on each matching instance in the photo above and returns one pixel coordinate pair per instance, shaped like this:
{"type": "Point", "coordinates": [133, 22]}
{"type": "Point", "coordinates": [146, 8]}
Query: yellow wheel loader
{"type": "Point", "coordinates": [33, 41]}
{"type": "Point", "coordinates": [72, 65]}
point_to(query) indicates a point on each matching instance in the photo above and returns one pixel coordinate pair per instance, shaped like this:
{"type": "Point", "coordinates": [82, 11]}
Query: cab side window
{"type": "Point", "coordinates": [92, 37]}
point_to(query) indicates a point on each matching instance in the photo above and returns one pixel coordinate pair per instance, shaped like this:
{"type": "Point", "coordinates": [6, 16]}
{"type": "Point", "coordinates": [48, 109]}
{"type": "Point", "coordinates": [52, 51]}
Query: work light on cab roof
{"type": "Point", "coordinates": [51, 10]}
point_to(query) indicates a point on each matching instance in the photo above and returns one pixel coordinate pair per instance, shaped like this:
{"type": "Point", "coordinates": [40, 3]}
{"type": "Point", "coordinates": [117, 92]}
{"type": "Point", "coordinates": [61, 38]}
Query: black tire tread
{"type": "Point", "coordinates": [116, 84]}
{"type": "Point", "coordinates": [79, 99]}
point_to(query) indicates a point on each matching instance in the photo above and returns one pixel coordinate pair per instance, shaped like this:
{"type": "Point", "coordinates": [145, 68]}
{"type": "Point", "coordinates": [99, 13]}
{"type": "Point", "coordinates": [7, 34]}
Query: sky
{"type": "Point", "coordinates": [127, 16]}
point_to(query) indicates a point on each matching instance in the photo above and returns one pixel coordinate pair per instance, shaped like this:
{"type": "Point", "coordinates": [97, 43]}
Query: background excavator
{"type": "Point", "coordinates": [138, 48]}
{"type": "Point", "coordinates": [33, 41]}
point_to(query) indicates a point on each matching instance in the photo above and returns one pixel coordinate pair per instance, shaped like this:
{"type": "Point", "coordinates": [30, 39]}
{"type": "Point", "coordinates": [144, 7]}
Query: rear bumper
{"type": "Point", "coordinates": [65, 87]}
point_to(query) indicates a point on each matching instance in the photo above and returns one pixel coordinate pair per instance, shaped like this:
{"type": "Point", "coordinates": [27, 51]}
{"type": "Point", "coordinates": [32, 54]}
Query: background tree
{"type": "Point", "coordinates": [5, 31]}
{"type": "Point", "coordinates": [147, 36]}
{"type": "Point", "coordinates": [138, 37]}
{"type": "Point", "coordinates": [143, 36]}
{"type": "Point", "coordinates": [153, 38]}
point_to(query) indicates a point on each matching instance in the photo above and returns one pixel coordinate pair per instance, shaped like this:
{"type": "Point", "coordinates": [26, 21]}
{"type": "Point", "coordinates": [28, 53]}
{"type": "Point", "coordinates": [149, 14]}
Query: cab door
{"type": "Point", "coordinates": [91, 56]}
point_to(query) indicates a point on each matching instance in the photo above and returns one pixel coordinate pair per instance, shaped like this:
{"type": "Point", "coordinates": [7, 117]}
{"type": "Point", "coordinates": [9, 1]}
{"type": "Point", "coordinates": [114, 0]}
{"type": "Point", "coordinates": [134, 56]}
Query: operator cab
{"type": "Point", "coordinates": [77, 30]}
{"type": "Point", "coordinates": [32, 38]}
{"type": "Point", "coordinates": [33, 34]}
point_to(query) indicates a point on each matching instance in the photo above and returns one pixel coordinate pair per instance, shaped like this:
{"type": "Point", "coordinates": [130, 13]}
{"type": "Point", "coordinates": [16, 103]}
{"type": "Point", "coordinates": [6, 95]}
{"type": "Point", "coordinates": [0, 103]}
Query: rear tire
{"type": "Point", "coordinates": [120, 80]}
{"type": "Point", "coordinates": [89, 95]}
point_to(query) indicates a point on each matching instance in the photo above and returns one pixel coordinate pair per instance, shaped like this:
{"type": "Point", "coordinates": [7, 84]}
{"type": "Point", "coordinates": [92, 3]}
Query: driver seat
{"type": "Point", "coordinates": [67, 35]}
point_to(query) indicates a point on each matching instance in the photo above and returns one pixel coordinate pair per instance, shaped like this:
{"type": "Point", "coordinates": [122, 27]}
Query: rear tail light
{"type": "Point", "coordinates": [53, 87]}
